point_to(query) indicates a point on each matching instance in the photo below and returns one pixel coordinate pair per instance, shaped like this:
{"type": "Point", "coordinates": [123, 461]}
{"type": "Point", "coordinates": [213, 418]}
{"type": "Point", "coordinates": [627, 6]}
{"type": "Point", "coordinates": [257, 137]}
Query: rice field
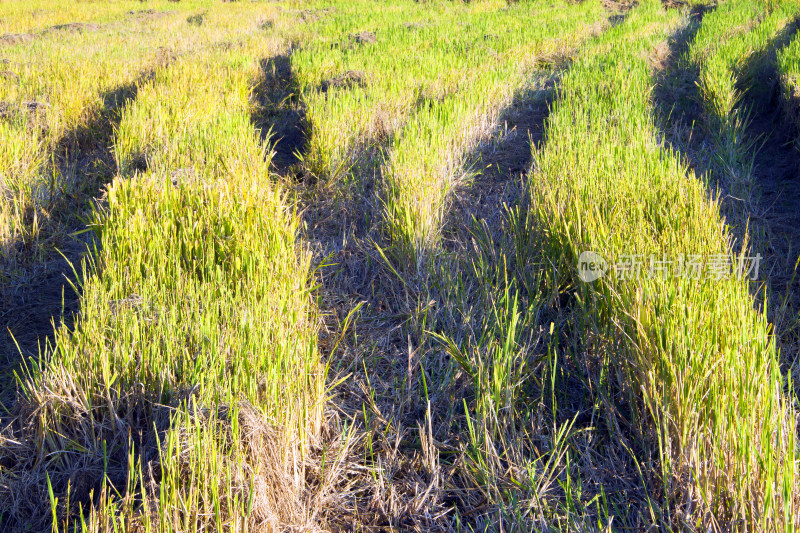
{"type": "Point", "coordinates": [388, 265]}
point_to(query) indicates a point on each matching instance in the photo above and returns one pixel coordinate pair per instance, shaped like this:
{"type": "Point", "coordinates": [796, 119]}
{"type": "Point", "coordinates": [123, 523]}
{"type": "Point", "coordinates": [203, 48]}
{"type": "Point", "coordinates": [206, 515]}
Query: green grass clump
{"type": "Point", "coordinates": [427, 156]}
{"type": "Point", "coordinates": [423, 93]}
{"type": "Point", "coordinates": [56, 126]}
{"type": "Point", "coordinates": [789, 73]}
{"type": "Point", "coordinates": [693, 354]}
{"type": "Point", "coordinates": [730, 50]}
{"type": "Point", "coordinates": [415, 60]}
{"type": "Point", "coordinates": [195, 349]}
{"type": "Point", "coordinates": [188, 394]}
{"type": "Point", "coordinates": [366, 70]}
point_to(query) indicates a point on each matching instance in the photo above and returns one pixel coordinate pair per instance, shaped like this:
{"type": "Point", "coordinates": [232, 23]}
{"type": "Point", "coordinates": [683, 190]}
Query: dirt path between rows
{"type": "Point", "coordinates": [391, 475]}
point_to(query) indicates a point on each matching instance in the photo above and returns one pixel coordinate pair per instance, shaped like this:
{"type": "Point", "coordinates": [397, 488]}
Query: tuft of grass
{"type": "Point", "coordinates": [412, 100]}
{"type": "Point", "coordinates": [696, 359]}
{"type": "Point", "coordinates": [56, 127]}
{"type": "Point", "coordinates": [729, 51]}
{"type": "Point", "coordinates": [426, 160]}
{"type": "Point", "coordinates": [789, 75]}
{"type": "Point", "coordinates": [190, 388]}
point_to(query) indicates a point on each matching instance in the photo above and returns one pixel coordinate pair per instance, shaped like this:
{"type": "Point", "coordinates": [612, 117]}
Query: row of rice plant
{"type": "Point", "coordinates": [670, 311]}
{"type": "Point", "coordinates": [18, 18]}
{"type": "Point", "coordinates": [789, 75]}
{"type": "Point", "coordinates": [366, 70]}
{"type": "Point", "coordinates": [422, 92]}
{"type": "Point", "coordinates": [426, 159]}
{"type": "Point", "coordinates": [190, 385]}
{"type": "Point", "coordinates": [52, 119]}
{"type": "Point", "coordinates": [729, 52]}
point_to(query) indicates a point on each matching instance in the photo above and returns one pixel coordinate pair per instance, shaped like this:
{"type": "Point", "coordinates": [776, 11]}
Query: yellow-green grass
{"type": "Point", "coordinates": [23, 16]}
{"type": "Point", "coordinates": [195, 349]}
{"type": "Point", "coordinates": [417, 58]}
{"type": "Point", "coordinates": [699, 359]}
{"type": "Point", "coordinates": [728, 51]}
{"type": "Point", "coordinates": [191, 387]}
{"type": "Point", "coordinates": [426, 159]}
{"type": "Point", "coordinates": [789, 75]}
{"type": "Point", "coordinates": [431, 91]}
{"type": "Point", "coordinates": [53, 118]}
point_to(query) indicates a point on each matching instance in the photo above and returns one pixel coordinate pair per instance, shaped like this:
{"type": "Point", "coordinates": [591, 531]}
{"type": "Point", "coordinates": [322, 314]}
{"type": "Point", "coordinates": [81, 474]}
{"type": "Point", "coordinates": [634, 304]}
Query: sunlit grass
{"type": "Point", "coordinates": [53, 121]}
{"type": "Point", "coordinates": [426, 159]}
{"type": "Point", "coordinates": [196, 325]}
{"type": "Point", "coordinates": [30, 16]}
{"type": "Point", "coordinates": [191, 384]}
{"type": "Point", "coordinates": [699, 357]}
{"type": "Point", "coordinates": [423, 94]}
{"type": "Point", "coordinates": [789, 71]}
{"type": "Point", "coordinates": [729, 51]}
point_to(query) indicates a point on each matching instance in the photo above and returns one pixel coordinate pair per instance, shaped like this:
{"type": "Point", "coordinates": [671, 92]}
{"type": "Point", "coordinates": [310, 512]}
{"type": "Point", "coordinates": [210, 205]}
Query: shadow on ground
{"type": "Point", "coordinates": [399, 381]}
{"type": "Point", "coordinates": [279, 114]}
{"type": "Point", "coordinates": [43, 295]}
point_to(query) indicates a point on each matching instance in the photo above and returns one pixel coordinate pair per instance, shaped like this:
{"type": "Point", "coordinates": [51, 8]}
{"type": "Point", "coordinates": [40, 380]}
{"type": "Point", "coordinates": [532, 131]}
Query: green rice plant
{"type": "Point", "coordinates": [789, 74]}
{"type": "Point", "coordinates": [365, 71]}
{"type": "Point", "coordinates": [55, 126]}
{"type": "Point", "coordinates": [195, 350]}
{"type": "Point", "coordinates": [427, 158]}
{"type": "Point", "coordinates": [356, 91]}
{"type": "Point", "coordinates": [729, 50]}
{"type": "Point", "coordinates": [189, 392]}
{"type": "Point", "coordinates": [695, 357]}
{"type": "Point", "coordinates": [499, 443]}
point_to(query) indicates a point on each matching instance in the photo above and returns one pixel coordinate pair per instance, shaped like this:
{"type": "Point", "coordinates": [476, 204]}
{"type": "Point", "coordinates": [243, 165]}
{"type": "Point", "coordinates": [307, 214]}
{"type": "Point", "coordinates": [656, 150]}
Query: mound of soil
{"type": "Point", "coordinates": [364, 37]}
{"type": "Point", "coordinates": [15, 38]}
{"type": "Point", "coordinates": [34, 111]}
{"type": "Point", "coordinates": [347, 79]}
{"type": "Point", "coordinates": [313, 15]}
{"type": "Point", "coordinates": [75, 26]}
{"type": "Point", "coordinates": [149, 13]}
{"type": "Point", "coordinates": [196, 20]}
